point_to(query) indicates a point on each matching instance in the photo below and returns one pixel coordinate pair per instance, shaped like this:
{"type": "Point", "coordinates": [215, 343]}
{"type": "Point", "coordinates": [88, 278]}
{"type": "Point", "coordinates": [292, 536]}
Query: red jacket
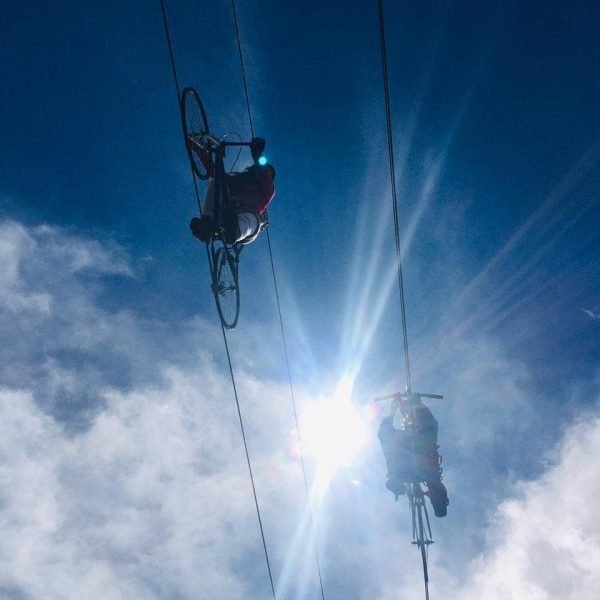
{"type": "Point", "coordinates": [252, 189]}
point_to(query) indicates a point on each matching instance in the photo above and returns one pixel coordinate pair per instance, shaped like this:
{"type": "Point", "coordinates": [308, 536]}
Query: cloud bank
{"type": "Point", "coordinates": [122, 472]}
{"type": "Point", "coordinates": [545, 542]}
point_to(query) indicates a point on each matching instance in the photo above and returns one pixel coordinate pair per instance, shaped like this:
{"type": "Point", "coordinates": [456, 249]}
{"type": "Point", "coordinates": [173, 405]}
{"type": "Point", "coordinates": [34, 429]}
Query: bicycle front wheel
{"type": "Point", "coordinates": [195, 125]}
{"type": "Point", "coordinates": [225, 285]}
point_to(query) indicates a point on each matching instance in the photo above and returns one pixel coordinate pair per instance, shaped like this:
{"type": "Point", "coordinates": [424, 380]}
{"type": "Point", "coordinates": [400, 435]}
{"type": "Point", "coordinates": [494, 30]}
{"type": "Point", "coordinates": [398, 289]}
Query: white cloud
{"type": "Point", "coordinates": [122, 470]}
{"type": "Point", "coordinates": [151, 498]}
{"type": "Point", "coordinates": [61, 340]}
{"type": "Point", "coordinates": [545, 542]}
{"type": "Point", "coordinates": [139, 506]}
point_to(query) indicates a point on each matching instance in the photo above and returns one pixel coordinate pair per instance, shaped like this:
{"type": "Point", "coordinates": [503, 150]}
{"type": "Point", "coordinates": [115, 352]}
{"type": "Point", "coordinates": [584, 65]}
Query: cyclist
{"type": "Point", "coordinates": [411, 453]}
{"type": "Point", "coordinates": [250, 192]}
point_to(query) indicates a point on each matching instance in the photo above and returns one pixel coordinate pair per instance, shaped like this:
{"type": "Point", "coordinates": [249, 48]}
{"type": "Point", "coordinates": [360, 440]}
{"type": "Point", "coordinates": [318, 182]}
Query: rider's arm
{"type": "Point", "coordinates": [253, 188]}
{"type": "Point", "coordinates": [264, 176]}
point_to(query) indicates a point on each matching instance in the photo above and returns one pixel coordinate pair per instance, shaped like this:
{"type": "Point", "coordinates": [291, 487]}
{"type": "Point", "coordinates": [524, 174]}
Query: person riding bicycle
{"type": "Point", "coordinates": [411, 453]}
{"type": "Point", "coordinates": [250, 192]}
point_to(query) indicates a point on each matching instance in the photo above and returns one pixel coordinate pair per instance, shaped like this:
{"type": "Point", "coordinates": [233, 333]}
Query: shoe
{"type": "Point", "coordinates": [438, 496]}
{"type": "Point", "coordinates": [201, 228]}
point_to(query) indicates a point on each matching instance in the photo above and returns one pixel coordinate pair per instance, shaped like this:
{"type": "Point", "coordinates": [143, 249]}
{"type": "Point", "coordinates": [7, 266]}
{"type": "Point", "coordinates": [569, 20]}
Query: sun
{"type": "Point", "coordinates": [332, 433]}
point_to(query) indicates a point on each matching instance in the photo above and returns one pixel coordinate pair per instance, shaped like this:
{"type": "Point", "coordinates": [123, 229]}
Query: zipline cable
{"type": "Point", "coordinates": [178, 90]}
{"type": "Point", "coordinates": [287, 363]}
{"type": "Point", "coordinates": [239, 43]}
{"type": "Point", "coordinates": [170, 45]}
{"type": "Point", "coordinates": [390, 143]}
{"type": "Point", "coordinates": [285, 351]}
{"type": "Point", "coordinates": [388, 115]}
{"type": "Point", "coordinates": [237, 403]}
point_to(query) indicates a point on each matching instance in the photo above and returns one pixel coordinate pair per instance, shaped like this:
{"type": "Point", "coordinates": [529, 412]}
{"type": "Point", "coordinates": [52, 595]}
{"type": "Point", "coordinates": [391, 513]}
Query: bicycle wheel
{"type": "Point", "coordinates": [225, 285]}
{"type": "Point", "coordinates": [423, 540]}
{"type": "Point", "coordinates": [421, 530]}
{"type": "Point", "coordinates": [195, 125]}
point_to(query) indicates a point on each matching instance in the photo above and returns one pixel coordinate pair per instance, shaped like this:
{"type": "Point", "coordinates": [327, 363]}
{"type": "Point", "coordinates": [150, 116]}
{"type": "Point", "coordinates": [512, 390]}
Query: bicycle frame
{"type": "Point", "coordinates": [216, 149]}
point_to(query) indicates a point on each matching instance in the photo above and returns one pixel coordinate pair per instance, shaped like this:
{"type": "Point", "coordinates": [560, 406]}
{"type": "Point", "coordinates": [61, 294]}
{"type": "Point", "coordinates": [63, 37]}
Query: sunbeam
{"type": "Point", "coordinates": [332, 433]}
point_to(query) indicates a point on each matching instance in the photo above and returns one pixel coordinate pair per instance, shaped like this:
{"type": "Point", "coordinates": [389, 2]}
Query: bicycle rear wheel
{"type": "Point", "coordinates": [195, 125]}
{"type": "Point", "coordinates": [421, 529]}
{"type": "Point", "coordinates": [422, 542]}
{"type": "Point", "coordinates": [225, 285]}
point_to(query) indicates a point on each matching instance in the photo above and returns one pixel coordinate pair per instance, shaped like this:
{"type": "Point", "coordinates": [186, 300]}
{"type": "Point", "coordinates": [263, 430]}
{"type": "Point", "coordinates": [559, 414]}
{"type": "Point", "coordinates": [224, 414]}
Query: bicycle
{"type": "Point", "coordinates": [206, 154]}
{"type": "Point", "coordinates": [421, 526]}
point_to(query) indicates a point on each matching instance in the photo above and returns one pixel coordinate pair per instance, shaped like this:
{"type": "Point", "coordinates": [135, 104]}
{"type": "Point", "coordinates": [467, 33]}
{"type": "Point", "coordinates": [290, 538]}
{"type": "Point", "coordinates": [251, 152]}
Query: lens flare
{"type": "Point", "coordinates": [332, 433]}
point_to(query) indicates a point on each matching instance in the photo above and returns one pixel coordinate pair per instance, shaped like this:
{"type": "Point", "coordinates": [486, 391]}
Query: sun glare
{"type": "Point", "coordinates": [332, 433]}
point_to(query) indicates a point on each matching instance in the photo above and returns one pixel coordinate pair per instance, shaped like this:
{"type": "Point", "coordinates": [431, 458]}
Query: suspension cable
{"type": "Point", "coordinates": [388, 115]}
{"type": "Point", "coordinates": [299, 440]}
{"type": "Point", "coordinates": [171, 54]}
{"type": "Point", "coordinates": [178, 90]}
{"type": "Point", "coordinates": [239, 43]}
{"type": "Point", "coordinates": [239, 411]}
{"type": "Point", "coordinates": [237, 403]}
{"type": "Point", "coordinates": [285, 351]}
{"type": "Point", "coordinates": [390, 143]}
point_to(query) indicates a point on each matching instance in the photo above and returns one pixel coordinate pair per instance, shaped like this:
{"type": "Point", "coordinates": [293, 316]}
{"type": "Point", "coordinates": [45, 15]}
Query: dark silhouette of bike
{"type": "Point", "coordinates": [206, 154]}
{"type": "Point", "coordinates": [421, 527]}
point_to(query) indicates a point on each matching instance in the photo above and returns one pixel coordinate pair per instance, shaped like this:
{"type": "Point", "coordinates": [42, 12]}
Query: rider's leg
{"type": "Point", "coordinates": [432, 462]}
{"type": "Point", "coordinates": [240, 227]}
{"type": "Point", "coordinates": [208, 208]}
{"type": "Point", "coordinates": [393, 444]}
{"type": "Point", "coordinates": [438, 496]}
{"type": "Point", "coordinates": [231, 227]}
{"type": "Point", "coordinates": [202, 227]}
{"type": "Point", "coordinates": [248, 227]}
{"type": "Point", "coordinates": [432, 472]}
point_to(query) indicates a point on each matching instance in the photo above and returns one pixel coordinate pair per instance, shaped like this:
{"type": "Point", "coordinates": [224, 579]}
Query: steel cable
{"type": "Point", "coordinates": [287, 362]}
{"type": "Point", "coordinates": [390, 143]}
{"type": "Point", "coordinates": [237, 403]}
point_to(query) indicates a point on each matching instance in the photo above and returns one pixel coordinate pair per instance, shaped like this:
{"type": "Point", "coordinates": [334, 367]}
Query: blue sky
{"type": "Point", "coordinates": [122, 470]}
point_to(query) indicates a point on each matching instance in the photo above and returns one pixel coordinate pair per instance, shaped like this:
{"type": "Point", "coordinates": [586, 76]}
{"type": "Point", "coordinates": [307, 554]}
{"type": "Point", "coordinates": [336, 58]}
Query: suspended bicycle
{"type": "Point", "coordinates": [412, 459]}
{"type": "Point", "coordinates": [206, 154]}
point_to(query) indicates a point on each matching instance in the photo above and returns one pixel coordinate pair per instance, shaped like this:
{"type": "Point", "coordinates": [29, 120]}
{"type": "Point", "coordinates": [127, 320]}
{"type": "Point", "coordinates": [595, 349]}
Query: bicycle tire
{"type": "Point", "coordinates": [195, 125]}
{"type": "Point", "coordinates": [421, 537]}
{"type": "Point", "coordinates": [225, 285]}
{"type": "Point", "coordinates": [423, 547]}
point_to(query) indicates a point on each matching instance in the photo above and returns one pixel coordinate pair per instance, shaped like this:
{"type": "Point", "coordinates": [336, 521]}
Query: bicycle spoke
{"type": "Point", "coordinates": [225, 286]}
{"type": "Point", "coordinates": [195, 125]}
{"type": "Point", "coordinates": [421, 535]}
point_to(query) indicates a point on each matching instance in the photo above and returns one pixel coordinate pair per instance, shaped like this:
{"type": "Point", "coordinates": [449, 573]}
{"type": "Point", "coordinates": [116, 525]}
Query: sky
{"type": "Point", "coordinates": [122, 466]}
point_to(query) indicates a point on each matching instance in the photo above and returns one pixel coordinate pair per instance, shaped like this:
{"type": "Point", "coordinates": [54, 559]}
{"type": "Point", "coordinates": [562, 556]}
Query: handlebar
{"type": "Point", "coordinates": [408, 395]}
{"type": "Point", "coordinates": [256, 145]}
